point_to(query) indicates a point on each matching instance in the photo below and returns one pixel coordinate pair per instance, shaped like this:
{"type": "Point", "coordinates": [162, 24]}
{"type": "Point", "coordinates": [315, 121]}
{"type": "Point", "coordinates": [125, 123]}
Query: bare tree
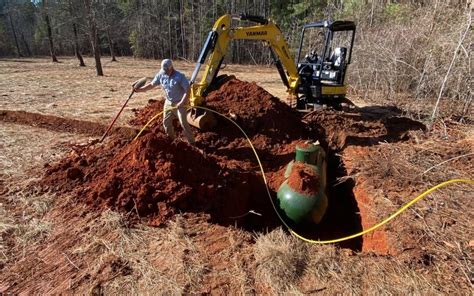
{"type": "Point", "coordinates": [111, 46]}
{"type": "Point", "coordinates": [77, 51]}
{"type": "Point", "coordinates": [12, 27]}
{"type": "Point", "coordinates": [50, 33]}
{"type": "Point", "coordinates": [461, 40]}
{"type": "Point", "coordinates": [93, 36]}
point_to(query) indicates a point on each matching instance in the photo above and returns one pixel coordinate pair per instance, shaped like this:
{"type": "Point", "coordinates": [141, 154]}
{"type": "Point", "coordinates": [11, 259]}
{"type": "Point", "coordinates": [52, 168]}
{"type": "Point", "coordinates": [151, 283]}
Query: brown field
{"type": "Point", "coordinates": [59, 242]}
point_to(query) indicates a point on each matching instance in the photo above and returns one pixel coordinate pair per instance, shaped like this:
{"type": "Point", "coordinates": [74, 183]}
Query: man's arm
{"type": "Point", "coordinates": [185, 100]}
{"type": "Point", "coordinates": [144, 88]}
{"type": "Point", "coordinates": [184, 83]}
{"type": "Point", "coordinates": [150, 85]}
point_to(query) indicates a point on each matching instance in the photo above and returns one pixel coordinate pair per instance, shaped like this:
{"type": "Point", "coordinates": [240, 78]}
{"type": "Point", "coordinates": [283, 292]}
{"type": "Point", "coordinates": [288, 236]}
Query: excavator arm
{"type": "Point", "coordinates": [217, 44]}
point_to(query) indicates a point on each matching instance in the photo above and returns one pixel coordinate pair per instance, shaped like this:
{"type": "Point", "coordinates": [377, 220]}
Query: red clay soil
{"type": "Point", "coordinates": [267, 120]}
{"type": "Point", "coordinates": [362, 127]}
{"type": "Point", "coordinates": [303, 179]}
{"type": "Point", "coordinates": [60, 124]}
{"type": "Point", "coordinates": [143, 115]}
{"type": "Point", "coordinates": [154, 177]}
{"type": "Point", "coordinates": [257, 111]}
{"type": "Point", "coordinates": [376, 241]}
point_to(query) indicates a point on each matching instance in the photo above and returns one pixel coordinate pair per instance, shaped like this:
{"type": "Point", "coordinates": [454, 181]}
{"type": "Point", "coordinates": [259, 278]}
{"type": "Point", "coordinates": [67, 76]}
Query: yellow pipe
{"type": "Point", "coordinates": [331, 241]}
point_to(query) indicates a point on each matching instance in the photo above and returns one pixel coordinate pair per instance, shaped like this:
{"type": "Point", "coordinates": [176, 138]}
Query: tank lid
{"type": "Point", "coordinates": [307, 152]}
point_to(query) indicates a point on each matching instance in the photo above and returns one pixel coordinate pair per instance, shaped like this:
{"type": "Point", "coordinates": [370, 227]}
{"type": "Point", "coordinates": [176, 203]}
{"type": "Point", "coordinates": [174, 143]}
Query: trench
{"type": "Point", "coordinates": [244, 203]}
{"type": "Point", "coordinates": [254, 213]}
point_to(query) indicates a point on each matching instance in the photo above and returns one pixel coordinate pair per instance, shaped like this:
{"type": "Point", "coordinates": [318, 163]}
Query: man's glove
{"type": "Point", "coordinates": [139, 83]}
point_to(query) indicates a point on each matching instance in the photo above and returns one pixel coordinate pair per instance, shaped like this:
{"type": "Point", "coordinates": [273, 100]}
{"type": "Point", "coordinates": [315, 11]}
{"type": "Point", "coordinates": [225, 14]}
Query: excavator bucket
{"type": "Point", "coordinates": [201, 119]}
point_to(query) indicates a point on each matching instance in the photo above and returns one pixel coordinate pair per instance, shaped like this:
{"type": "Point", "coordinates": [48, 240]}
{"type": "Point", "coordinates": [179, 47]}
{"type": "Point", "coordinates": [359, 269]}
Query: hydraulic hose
{"type": "Point", "coordinates": [331, 241]}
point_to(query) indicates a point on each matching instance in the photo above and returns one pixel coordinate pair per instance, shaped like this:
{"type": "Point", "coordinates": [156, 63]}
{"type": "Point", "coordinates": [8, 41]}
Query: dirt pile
{"type": "Point", "coordinates": [361, 127]}
{"type": "Point", "coordinates": [266, 119]}
{"type": "Point", "coordinates": [154, 177]}
{"type": "Point", "coordinates": [141, 116]}
{"type": "Point", "coordinates": [257, 111]}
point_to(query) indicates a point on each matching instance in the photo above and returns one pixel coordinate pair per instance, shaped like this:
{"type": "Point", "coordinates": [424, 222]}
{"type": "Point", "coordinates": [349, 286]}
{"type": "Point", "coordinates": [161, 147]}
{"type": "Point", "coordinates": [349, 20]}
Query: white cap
{"type": "Point", "coordinates": [166, 64]}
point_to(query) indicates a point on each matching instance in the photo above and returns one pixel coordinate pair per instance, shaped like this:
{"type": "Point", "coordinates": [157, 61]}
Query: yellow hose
{"type": "Point", "coordinates": [383, 222]}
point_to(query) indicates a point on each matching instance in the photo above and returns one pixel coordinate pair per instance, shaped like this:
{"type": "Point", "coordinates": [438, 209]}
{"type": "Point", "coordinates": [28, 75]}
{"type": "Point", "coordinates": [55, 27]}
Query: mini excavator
{"type": "Point", "coordinates": [315, 79]}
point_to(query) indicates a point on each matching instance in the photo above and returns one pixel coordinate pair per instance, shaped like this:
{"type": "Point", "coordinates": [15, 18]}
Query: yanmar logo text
{"type": "Point", "coordinates": [257, 33]}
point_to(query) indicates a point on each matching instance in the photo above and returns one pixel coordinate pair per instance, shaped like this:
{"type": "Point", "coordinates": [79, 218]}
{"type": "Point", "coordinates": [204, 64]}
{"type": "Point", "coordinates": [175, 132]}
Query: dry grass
{"type": "Point", "coordinates": [142, 260]}
{"type": "Point", "coordinates": [281, 260]}
{"type": "Point", "coordinates": [288, 266]}
{"type": "Point", "coordinates": [85, 254]}
{"type": "Point", "coordinates": [111, 240]}
{"type": "Point", "coordinates": [22, 208]}
{"type": "Point", "coordinates": [75, 92]}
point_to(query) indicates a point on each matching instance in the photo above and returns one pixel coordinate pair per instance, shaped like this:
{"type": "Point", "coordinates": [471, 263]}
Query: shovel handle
{"type": "Point", "coordinates": [136, 85]}
{"type": "Point", "coordinates": [116, 116]}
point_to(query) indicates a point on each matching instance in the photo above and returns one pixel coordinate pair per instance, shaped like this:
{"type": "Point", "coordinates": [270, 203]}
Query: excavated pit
{"type": "Point", "coordinates": [154, 178]}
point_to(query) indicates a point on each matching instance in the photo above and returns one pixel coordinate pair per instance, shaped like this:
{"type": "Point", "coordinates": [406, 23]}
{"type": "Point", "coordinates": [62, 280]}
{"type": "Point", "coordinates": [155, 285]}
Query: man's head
{"type": "Point", "coordinates": [167, 66]}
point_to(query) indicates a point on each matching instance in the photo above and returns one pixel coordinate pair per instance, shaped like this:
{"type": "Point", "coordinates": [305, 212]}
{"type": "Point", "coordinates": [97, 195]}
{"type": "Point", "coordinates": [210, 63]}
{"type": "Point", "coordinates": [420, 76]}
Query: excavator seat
{"type": "Point", "coordinates": [338, 57]}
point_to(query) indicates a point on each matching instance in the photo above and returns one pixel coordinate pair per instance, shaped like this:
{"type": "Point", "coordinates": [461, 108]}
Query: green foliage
{"type": "Point", "coordinates": [397, 12]}
{"type": "Point", "coordinates": [133, 40]}
{"type": "Point", "coordinates": [352, 7]}
{"type": "Point", "coordinates": [40, 35]}
{"type": "Point", "coordinates": [126, 6]}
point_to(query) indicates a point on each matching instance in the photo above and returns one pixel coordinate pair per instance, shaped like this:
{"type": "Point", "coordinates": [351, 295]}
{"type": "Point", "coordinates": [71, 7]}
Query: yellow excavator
{"type": "Point", "coordinates": [314, 79]}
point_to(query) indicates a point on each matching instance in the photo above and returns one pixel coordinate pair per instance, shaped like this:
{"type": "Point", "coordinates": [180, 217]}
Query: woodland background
{"type": "Point", "coordinates": [418, 49]}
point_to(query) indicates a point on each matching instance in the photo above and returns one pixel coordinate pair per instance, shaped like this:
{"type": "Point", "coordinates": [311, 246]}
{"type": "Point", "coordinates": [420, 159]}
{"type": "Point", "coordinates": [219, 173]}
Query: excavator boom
{"type": "Point", "coordinates": [218, 41]}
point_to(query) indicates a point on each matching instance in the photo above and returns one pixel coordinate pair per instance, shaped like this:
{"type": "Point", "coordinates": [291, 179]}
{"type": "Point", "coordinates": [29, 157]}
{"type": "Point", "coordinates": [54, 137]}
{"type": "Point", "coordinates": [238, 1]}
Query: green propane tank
{"type": "Point", "coordinates": [302, 195]}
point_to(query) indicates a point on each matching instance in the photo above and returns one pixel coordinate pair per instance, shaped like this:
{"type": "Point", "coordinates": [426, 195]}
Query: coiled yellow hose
{"type": "Point", "coordinates": [381, 223]}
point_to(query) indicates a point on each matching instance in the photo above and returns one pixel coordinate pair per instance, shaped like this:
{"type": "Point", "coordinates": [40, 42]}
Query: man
{"type": "Point", "coordinates": [177, 91]}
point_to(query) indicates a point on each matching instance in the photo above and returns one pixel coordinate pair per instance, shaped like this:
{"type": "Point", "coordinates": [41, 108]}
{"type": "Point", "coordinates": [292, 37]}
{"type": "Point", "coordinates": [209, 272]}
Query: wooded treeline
{"type": "Point", "coordinates": [422, 47]}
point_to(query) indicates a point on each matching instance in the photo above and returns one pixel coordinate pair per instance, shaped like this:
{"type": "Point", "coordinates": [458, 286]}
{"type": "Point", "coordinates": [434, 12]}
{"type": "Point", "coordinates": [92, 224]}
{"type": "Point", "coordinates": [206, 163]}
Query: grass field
{"type": "Point", "coordinates": [53, 243]}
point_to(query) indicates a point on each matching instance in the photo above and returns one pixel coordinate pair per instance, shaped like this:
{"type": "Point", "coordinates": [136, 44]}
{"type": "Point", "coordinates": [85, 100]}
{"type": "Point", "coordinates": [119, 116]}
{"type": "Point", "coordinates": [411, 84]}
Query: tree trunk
{"type": "Point", "coordinates": [93, 37]}
{"type": "Point", "coordinates": [111, 47]}
{"type": "Point", "coordinates": [28, 51]}
{"type": "Point", "coordinates": [182, 29]}
{"type": "Point", "coordinates": [170, 46]}
{"type": "Point", "coordinates": [18, 52]}
{"type": "Point", "coordinates": [50, 33]}
{"type": "Point", "coordinates": [77, 53]}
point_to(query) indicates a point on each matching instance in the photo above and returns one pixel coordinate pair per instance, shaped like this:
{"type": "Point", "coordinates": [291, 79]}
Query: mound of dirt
{"type": "Point", "coordinates": [141, 116]}
{"type": "Point", "coordinates": [61, 124]}
{"type": "Point", "coordinates": [155, 177]}
{"type": "Point", "coordinates": [257, 111]}
{"type": "Point", "coordinates": [266, 119]}
{"type": "Point", "coordinates": [360, 127]}
{"type": "Point", "coordinates": [303, 179]}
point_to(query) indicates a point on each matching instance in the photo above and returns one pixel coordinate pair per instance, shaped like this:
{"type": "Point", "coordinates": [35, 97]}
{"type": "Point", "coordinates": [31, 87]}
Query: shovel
{"type": "Point", "coordinates": [136, 84]}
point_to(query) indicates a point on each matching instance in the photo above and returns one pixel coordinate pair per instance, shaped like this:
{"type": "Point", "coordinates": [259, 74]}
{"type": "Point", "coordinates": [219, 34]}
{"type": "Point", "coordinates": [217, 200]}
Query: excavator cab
{"type": "Point", "coordinates": [323, 58]}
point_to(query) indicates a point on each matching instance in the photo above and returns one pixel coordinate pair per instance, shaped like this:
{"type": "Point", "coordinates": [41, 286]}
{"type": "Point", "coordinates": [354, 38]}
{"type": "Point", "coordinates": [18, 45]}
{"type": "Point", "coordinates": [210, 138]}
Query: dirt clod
{"type": "Point", "coordinates": [304, 179]}
{"type": "Point", "coordinates": [74, 173]}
